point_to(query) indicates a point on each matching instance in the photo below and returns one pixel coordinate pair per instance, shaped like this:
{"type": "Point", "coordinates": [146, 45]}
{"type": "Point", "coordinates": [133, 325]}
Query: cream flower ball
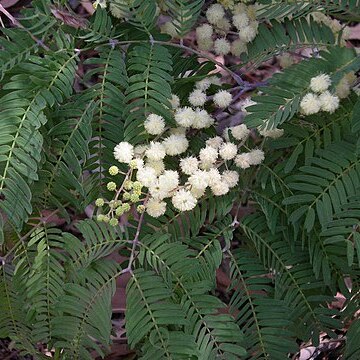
{"type": "Point", "coordinates": [155, 208]}
{"type": "Point", "coordinates": [228, 151]}
{"type": "Point", "coordinates": [183, 200]}
{"type": "Point", "coordinates": [215, 13]}
{"type": "Point", "coordinates": [240, 20]}
{"type": "Point", "coordinates": [197, 98]}
{"type": "Point", "coordinates": [208, 155]}
{"type": "Point", "coordinates": [202, 119]}
{"type": "Point", "coordinates": [320, 83]}
{"type": "Point", "coordinates": [242, 161]}
{"type": "Point", "coordinates": [231, 178]}
{"type": "Point", "coordinates": [213, 176]}
{"type": "Point", "coordinates": [220, 189]}
{"type": "Point", "coordinates": [154, 124]}
{"type": "Point", "coordinates": [169, 180]}
{"type": "Point", "coordinates": [198, 179]}
{"type": "Point", "coordinates": [222, 46]}
{"type": "Point", "coordinates": [329, 102]}
{"type": "Point", "coordinates": [175, 144]}
{"type": "Point", "coordinates": [147, 176]}
{"type": "Point", "coordinates": [156, 151]}
{"type": "Point", "coordinates": [204, 31]}
{"type": "Point", "coordinates": [222, 99]}
{"type": "Point", "coordinates": [189, 165]}
{"type": "Point", "coordinates": [256, 157]}
{"type": "Point", "coordinates": [240, 132]}
{"type": "Point", "coordinates": [273, 133]}
{"type": "Point", "coordinates": [310, 104]}
{"type": "Point", "coordinates": [185, 116]}
{"type": "Point", "coordinates": [124, 152]}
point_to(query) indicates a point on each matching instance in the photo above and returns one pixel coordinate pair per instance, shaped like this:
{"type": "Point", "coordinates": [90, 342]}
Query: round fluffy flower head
{"type": "Point", "coordinates": [222, 99]}
{"type": "Point", "coordinates": [113, 222]}
{"type": "Point", "coordinates": [215, 13]}
{"type": "Point", "coordinates": [174, 101]}
{"type": "Point", "coordinates": [189, 165]}
{"type": "Point", "coordinates": [240, 20]}
{"type": "Point", "coordinates": [219, 189]}
{"type": "Point", "coordinates": [197, 98]}
{"type": "Point", "coordinates": [183, 200]}
{"type": "Point", "coordinates": [156, 151]}
{"type": "Point", "coordinates": [202, 119]}
{"type": "Point", "coordinates": [175, 144]}
{"type": "Point", "coordinates": [146, 176]}
{"type": "Point", "coordinates": [273, 133]}
{"type": "Point", "coordinates": [228, 151]}
{"type": "Point", "coordinates": [197, 193]}
{"type": "Point", "coordinates": [185, 116]}
{"type": "Point", "coordinates": [213, 176]}
{"type": "Point", "coordinates": [154, 124]}
{"type": "Point", "coordinates": [157, 192]}
{"type": "Point", "coordinates": [248, 33]}
{"type": "Point", "coordinates": [240, 132]}
{"type": "Point", "coordinates": [111, 186]}
{"type": "Point", "coordinates": [215, 142]}
{"type": "Point", "coordinates": [169, 28]}
{"type": "Point", "coordinates": [198, 179]}
{"type": "Point", "coordinates": [320, 83]}
{"type": "Point", "coordinates": [242, 161]}
{"type": "Point", "coordinates": [224, 25]}
{"type": "Point", "coordinates": [204, 31]}
{"type": "Point", "coordinates": [169, 180]}
{"type": "Point", "coordinates": [310, 104]}
{"type": "Point", "coordinates": [124, 152]}
{"type": "Point", "coordinates": [231, 178]}
{"type": "Point", "coordinates": [113, 170]}
{"type": "Point", "coordinates": [205, 44]}
{"type": "Point", "coordinates": [155, 208]}
{"type": "Point", "coordinates": [157, 165]}
{"type": "Point", "coordinates": [329, 102]}
{"type": "Point", "coordinates": [238, 47]}
{"type": "Point", "coordinates": [208, 155]}
{"type": "Point", "coordinates": [256, 157]}
{"type": "Point", "coordinates": [99, 202]}
{"type": "Point", "coordinates": [222, 46]}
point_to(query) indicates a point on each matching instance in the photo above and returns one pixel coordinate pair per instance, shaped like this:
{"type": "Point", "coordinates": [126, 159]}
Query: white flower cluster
{"type": "Point", "coordinates": [199, 118]}
{"type": "Point", "coordinates": [243, 21]}
{"type": "Point", "coordinates": [211, 170]}
{"type": "Point", "coordinates": [320, 99]}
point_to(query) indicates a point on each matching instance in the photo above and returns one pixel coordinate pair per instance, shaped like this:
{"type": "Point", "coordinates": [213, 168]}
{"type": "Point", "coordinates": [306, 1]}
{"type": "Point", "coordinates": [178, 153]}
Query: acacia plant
{"type": "Point", "coordinates": [122, 133]}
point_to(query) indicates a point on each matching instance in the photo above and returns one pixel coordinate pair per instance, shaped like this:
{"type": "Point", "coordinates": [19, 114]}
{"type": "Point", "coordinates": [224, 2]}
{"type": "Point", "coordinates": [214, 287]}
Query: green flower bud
{"type": "Point", "coordinates": [128, 185]}
{"type": "Point", "coordinates": [99, 202]}
{"type": "Point", "coordinates": [111, 186]}
{"type": "Point", "coordinates": [137, 186]}
{"type": "Point", "coordinates": [100, 217]}
{"type": "Point", "coordinates": [137, 192]}
{"type": "Point", "coordinates": [119, 211]}
{"type": "Point", "coordinates": [113, 222]}
{"type": "Point", "coordinates": [126, 196]}
{"type": "Point", "coordinates": [133, 164]}
{"type": "Point", "coordinates": [106, 219]}
{"type": "Point", "coordinates": [125, 207]}
{"type": "Point", "coordinates": [140, 209]}
{"type": "Point", "coordinates": [113, 170]}
{"type": "Point", "coordinates": [134, 198]}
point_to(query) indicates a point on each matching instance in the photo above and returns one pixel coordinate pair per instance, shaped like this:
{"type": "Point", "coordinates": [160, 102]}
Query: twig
{"type": "Point", "coordinates": [17, 23]}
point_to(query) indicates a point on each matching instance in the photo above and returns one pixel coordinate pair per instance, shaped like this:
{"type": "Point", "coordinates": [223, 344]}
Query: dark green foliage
{"type": "Point", "coordinates": [70, 94]}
